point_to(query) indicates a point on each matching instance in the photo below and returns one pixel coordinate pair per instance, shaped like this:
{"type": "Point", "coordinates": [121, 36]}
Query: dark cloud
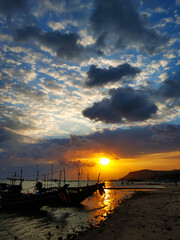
{"type": "Point", "coordinates": [66, 45]}
{"type": "Point", "coordinates": [125, 104]}
{"type": "Point", "coordinates": [98, 76]}
{"type": "Point", "coordinates": [5, 135]}
{"type": "Point", "coordinates": [166, 131]}
{"type": "Point", "coordinates": [137, 141]}
{"type": "Point", "coordinates": [24, 25]}
{"type": "Point", "coordinates": [59, 151]}
{"type": "Point", "coordinates": [26, 33]}
{"type": "Point", "coordinates": [170, 88]}
{"type": "Point", "coordinates": [120, 143]}
{"type": "Point", "coordinates": [131, 142]}
{"type": "Point", "coordinates": [9, 142]}
{"type": "Point", "coordinates": [116, 24]}
{"type": "Point", "coordinates": [156, 3]}
{"type": "Point", "coordinates": [120, 20]}
{"type": "Point", "coordinates": [9, 6]}
{"type": "Point", "coordinates": [16, 12]}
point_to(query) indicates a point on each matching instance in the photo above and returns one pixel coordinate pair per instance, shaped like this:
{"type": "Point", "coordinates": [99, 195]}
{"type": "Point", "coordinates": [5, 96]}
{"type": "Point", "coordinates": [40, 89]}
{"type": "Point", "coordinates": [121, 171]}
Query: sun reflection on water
{"type": "Point", "coordinates": [102, 206]}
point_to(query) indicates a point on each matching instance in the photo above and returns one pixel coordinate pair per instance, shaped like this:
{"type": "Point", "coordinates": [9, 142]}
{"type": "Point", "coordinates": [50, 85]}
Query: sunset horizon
{"type": "Point", "coordinates": [88, 80]}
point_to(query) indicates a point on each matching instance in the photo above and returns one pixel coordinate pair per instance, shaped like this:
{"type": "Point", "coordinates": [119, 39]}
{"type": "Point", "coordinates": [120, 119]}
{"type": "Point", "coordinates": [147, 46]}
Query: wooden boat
{"type": "Point", "coordinates": [21, 200]}
{"type": "Point", "coordinates": [12, 197]}
{"type": "Point", "coordinates": [75, 195]}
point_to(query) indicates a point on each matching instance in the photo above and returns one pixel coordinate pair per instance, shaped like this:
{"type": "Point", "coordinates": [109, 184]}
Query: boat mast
{"type": "Point", "coordinates": [21, 176]}
{"type": "Point", "coordinates": [13, 178]}
{"type": "Point", "coordinates": [45, 184]}
{"type": "Point", "coordinates": [78, 173]}
{"type": "Point", "coordinates": [87, 179]}
{"type": "Point", "coordinates": [51, 174]}
{"type": "Point", "coordinates": [64, 176]}
{"type": "Point", "coordinates": [47, 180]}
{"type": "Point", "coordinates": [60, 172]}
{"type": "Point", "coordinates": [37, 173]}
{"type": "Point", "coordinates": [16, 177]}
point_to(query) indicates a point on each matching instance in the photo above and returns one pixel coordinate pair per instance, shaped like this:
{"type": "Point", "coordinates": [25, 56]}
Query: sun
{"type": "Point", "coordinates": [104, 161]}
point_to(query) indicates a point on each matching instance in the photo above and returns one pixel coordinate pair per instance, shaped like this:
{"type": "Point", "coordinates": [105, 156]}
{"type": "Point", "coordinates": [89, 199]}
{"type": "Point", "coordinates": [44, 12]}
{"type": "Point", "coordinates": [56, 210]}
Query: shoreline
{"type": "Point", "coordinates": [147, 215]}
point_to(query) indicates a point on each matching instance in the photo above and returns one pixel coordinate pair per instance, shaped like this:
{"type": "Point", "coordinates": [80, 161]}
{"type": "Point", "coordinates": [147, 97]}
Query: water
{"type": "Point", "coordinates": [50, 223]}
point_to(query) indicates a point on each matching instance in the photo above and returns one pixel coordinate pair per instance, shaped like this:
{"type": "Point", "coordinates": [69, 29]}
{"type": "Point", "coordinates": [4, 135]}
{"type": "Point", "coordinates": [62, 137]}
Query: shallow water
{"type": "Point", "coordinates": [50, 223]}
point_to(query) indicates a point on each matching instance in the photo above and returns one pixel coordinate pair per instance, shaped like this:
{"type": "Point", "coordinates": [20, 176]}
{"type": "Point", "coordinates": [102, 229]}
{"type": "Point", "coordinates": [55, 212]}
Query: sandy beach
{"type": "Point", "coordinates": [147, 216]}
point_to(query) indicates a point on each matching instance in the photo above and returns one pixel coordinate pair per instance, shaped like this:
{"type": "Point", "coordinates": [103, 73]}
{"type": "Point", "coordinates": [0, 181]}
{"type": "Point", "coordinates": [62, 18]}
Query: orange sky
{"type": "Point", "coordinates": [118, 168]}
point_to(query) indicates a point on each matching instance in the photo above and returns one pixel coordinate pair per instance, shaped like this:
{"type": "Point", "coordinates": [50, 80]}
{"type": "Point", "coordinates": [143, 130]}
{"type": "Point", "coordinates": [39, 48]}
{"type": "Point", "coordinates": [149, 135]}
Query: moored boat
{"type": "Point", "coordinates": [75, 195]}
{"type": "Point", "coordinates": [12, 196]}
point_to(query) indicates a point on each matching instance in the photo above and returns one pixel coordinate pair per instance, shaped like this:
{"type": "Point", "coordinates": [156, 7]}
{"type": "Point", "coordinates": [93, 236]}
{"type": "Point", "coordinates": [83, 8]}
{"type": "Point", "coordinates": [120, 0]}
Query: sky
{"type": "Point", "coordinates": [83, 80]}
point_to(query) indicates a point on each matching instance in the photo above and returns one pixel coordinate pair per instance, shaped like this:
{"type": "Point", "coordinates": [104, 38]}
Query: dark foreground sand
{"type": "Point", "coordinates": [147, 216]}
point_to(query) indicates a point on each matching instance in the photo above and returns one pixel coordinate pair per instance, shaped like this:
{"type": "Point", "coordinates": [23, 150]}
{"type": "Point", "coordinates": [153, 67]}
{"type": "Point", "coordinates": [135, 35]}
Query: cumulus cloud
{"type": "Point", "coordinates": [121, 26]}
{"type": "Point", "coordinates": [98, 76]}
{"type": "Point", "coordinates": [23, 23]}
{"type": "Point", "coordinates": [170, 88]}
{"type": "Point", "coordinates": [67, 45]}
{"type": "Point", "coordinates": [124, 104]}
{"type": "Point", "coordinates": [130, 105]}
{"type": "Point", "coordinates": [120, 20]}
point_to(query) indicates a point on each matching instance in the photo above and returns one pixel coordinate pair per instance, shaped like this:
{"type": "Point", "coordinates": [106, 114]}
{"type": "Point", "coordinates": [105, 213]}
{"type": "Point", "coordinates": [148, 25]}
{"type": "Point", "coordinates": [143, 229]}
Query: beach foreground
{"type": "Point", "coordinates": [146, 216]}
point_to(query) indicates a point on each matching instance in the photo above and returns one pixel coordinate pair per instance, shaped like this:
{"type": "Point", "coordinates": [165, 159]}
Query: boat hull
{"type": "Point", "coordinates": [27, 200]}
{"type": "Point", "coordinates": [59, 197]}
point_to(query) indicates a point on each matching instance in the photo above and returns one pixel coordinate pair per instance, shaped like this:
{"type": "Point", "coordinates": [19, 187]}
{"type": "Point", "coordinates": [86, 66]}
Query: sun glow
{"type": "Point", "coordinates": [104, 161]}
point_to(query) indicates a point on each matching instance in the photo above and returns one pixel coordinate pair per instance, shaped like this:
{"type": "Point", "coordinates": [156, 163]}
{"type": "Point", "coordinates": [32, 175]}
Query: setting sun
{"type": "Point", "coordinates": [104, 161]}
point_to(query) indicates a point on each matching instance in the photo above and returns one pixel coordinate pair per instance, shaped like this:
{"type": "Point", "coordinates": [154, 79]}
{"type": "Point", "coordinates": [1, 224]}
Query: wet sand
{"type": "Point", "coordinates": [146, 216]}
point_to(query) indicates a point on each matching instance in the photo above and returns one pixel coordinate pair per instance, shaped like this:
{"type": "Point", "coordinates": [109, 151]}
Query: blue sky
{"type": "Point", "coordinates": [77, 69]}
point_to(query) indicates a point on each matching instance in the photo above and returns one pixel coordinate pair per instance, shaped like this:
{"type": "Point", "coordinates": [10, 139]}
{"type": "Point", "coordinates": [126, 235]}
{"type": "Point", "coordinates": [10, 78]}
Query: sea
{"type": "Point", "coordinates": [55, 223]}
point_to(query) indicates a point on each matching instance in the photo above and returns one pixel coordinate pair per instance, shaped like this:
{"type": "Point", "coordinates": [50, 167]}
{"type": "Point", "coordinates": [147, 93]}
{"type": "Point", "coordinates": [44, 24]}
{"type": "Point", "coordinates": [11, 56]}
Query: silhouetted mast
{"type": "Point", "coordinates": [64, 176]}
{"type": "Point", "coordinates": [51, 174]}
{"type": "Point", "coordinates": [78, 173]}
{"type": "Point", "coordinates": [60, 172]}
{"type": "Point", "coordinates": [87, 179]}
{"type": "Point", "coordinates": [21, 176]}
{"type": "Point", "coordinates": [37, 173]}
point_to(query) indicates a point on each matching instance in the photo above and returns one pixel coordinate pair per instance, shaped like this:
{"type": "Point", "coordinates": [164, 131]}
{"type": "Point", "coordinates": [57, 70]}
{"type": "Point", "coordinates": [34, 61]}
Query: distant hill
{"type": "Point", "coordinates": [153, 175]}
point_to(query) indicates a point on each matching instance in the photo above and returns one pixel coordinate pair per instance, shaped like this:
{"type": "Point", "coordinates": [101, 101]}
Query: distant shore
{"type": "Point", "coordinates": [147, 216]}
